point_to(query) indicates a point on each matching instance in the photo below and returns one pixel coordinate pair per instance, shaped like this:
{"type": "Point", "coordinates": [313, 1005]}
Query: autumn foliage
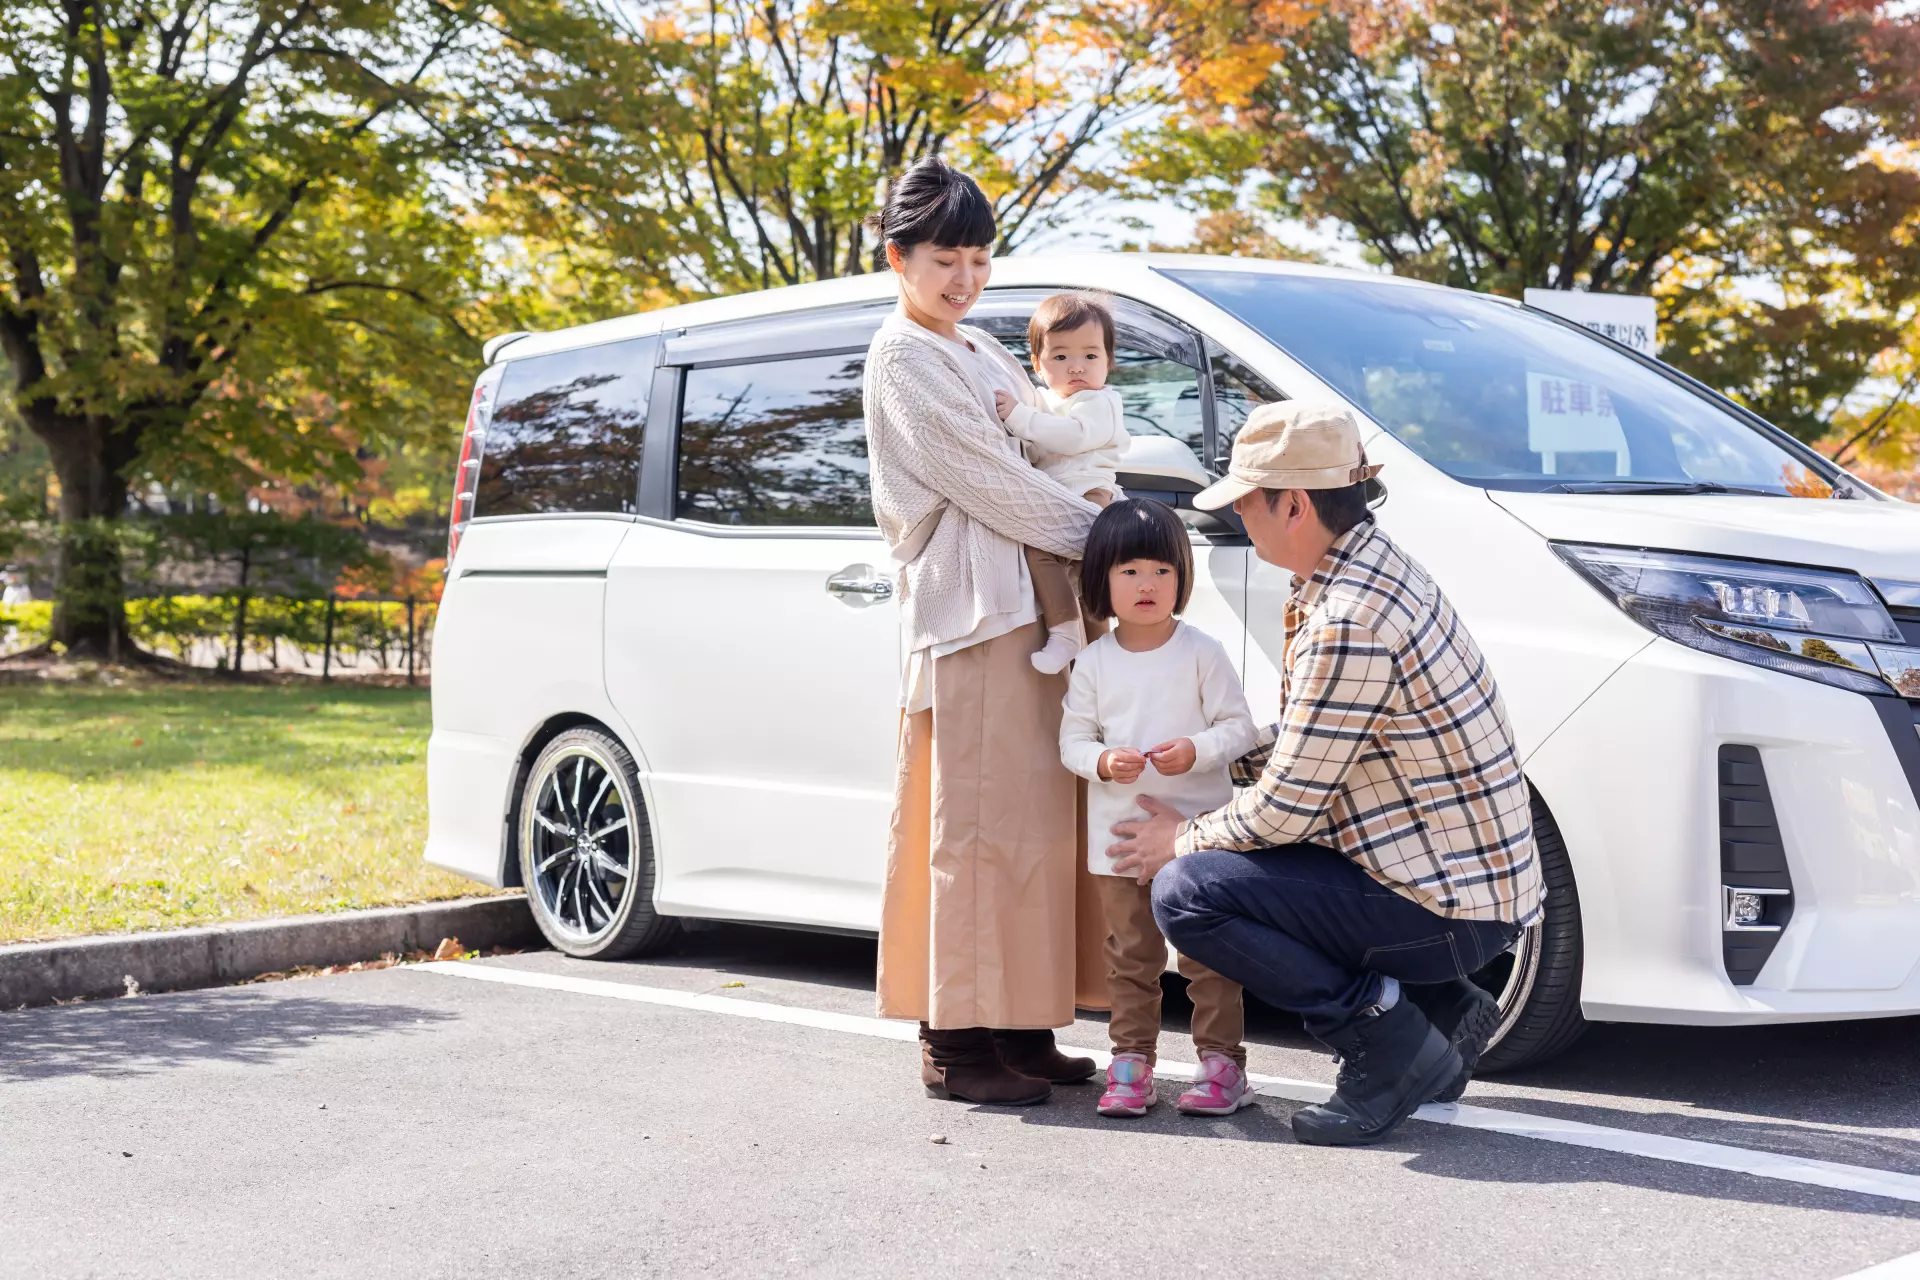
{"type": "Point", "coordinates": [248, 251]}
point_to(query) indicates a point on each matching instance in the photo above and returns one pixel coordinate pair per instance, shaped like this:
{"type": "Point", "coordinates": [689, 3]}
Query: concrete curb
{"type": "Point", "coordinates": [180, 959]}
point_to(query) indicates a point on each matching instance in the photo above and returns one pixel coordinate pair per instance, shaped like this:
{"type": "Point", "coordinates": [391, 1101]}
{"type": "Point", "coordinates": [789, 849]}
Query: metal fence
{"type": "Point", "coordinates": [234, 632]}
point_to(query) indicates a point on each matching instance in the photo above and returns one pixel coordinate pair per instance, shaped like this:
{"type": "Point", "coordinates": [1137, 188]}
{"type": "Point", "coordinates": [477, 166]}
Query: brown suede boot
{"type": "Point", "coordinates": [1033, 1053]}
{"type": "Point", "coordinates": [962, 1065]}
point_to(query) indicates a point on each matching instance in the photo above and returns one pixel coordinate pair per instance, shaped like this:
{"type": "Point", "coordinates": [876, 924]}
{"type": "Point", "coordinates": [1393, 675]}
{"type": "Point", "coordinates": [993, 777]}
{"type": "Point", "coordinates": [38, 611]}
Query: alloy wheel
{"type": "Point", "coordinates": [579, 833]}
{"type": "Point", "coordinates": [1509, 977]}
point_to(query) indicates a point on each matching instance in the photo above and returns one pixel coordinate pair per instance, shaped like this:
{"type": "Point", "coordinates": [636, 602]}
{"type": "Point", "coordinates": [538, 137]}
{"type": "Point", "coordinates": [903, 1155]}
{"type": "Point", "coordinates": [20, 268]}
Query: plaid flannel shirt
{"type": "Point", "coordinates": [1393, 745]}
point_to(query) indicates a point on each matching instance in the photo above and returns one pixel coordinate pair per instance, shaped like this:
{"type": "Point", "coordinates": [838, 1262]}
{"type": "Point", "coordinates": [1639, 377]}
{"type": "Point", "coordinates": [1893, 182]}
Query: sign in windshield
{"type": "Point", "coordinates": [1502, 398]}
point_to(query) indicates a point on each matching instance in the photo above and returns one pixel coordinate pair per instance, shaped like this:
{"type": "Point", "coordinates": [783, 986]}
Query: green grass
{"type": "Point", "coordinates": [167, 805]}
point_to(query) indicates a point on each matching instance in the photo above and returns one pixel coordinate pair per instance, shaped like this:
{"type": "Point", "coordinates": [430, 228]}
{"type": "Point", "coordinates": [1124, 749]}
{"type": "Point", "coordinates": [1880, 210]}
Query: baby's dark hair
{"type": "Point", "coordinates": [1063, 312]}
{"type": "Point", "coordinates": [934, 203]}
{"type": "Point", "coordinates": [1133, 529]}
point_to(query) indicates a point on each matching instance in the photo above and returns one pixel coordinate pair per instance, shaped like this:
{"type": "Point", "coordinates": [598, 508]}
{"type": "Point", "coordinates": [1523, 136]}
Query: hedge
{"type": "Point", "coordinates": [363, 630]}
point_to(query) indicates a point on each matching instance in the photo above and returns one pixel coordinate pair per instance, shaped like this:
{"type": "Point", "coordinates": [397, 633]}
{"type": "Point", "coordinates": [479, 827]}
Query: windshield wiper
{"type": "Point", "coordinates": [1656, 487]}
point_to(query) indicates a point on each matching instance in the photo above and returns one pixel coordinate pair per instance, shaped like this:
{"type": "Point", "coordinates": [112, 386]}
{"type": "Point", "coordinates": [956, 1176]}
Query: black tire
{"type": "Point", "coordinates": [1538, 982]}
{"type": "Point", "coordinates": [586, 850]}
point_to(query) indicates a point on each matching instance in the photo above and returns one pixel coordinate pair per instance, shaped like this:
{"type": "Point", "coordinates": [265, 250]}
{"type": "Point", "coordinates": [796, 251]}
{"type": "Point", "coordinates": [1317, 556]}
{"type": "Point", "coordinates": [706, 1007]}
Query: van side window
{"type": "Point", "coordinates": [565, 433]}
{"type": "Point", "coordinates": [1237, 391]}
{"type": "Point", "coordinates": [775, 442]}
{"type": "Point", "coordinates": [1162, 397]}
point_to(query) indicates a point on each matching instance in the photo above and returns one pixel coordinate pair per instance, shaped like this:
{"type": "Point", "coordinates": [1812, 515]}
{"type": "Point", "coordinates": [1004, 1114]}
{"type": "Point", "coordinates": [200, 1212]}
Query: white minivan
{"type": "Point", "coordinates": [666, 662]}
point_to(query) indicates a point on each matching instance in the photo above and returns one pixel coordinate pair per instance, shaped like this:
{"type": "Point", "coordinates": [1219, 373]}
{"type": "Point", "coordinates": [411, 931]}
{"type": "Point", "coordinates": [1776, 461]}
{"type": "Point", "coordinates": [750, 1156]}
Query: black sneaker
{"type": "Point", "coordinates": [1467, 1016]}
{"type": "Point", "coordinates": [1390, 1063]}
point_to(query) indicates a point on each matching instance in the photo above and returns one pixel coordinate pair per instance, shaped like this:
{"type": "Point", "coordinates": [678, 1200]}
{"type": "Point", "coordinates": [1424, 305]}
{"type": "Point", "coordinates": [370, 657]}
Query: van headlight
{"type": "Point", "coordinates": [1816, 623]}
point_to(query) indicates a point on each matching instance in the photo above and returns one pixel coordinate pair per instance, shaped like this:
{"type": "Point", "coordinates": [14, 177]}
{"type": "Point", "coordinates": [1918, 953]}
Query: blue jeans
{"type": "Point", "coordinates": [1305, 929]}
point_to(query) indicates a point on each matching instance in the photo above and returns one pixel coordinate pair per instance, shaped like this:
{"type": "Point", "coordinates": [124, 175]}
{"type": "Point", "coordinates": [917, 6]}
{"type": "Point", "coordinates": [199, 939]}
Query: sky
{"type": "Point", "coordinates": [1093, 229]}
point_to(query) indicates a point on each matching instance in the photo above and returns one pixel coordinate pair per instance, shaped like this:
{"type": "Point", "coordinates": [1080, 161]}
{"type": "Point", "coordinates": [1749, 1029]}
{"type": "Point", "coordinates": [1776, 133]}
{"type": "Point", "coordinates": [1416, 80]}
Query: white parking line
{"type": "Point", "coordinates": [1652, 1146]}
{"type": "Point", "coordinates": [1904, 1267]}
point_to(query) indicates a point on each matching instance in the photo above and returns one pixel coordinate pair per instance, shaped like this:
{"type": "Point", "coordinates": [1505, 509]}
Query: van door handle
{"type": "Point", "coordinates": [859, 586]}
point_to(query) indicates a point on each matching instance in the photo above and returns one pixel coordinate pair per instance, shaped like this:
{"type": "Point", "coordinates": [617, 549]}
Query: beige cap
{"type": "Point", "coordinates": [1292, 444]}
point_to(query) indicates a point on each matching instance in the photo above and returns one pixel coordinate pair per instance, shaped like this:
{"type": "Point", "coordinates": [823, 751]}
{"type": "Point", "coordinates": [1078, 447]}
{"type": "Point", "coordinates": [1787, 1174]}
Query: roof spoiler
{"type": "Point", "coordinates": [493, 345]}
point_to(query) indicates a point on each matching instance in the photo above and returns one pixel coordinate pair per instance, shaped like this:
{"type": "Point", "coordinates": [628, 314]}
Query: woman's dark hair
{"type": "Point", "coordinates": [934, 203]}
{"type": "Point", "coordinates": [1133, 529]}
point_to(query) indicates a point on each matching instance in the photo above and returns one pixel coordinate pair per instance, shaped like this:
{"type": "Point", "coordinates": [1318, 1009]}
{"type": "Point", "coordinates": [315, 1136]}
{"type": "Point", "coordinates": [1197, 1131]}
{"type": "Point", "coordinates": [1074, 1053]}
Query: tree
{"type": "Point", "coordinates": [221, 227]}
{"type": "Point", "coordinates": [23, 486]}
{"type": "Point", "coordinates": [1691, 150]}
{"type": "Point", "coordinates": [717, 146]}
{"type": "Point", "coordinates": [1878, 439]}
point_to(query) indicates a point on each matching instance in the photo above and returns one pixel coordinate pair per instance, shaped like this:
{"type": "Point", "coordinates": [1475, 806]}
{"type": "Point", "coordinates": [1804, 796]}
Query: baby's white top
{"type": "Point", "coordinates": [1076, 439]}
{"type": "Point", "coordinates": [1184, 689]}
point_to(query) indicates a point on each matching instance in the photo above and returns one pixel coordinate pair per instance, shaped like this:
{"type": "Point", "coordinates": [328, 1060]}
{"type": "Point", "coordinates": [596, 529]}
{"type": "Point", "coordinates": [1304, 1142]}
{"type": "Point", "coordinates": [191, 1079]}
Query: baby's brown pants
{"type": "Point", "coordinates": [1054, 588]}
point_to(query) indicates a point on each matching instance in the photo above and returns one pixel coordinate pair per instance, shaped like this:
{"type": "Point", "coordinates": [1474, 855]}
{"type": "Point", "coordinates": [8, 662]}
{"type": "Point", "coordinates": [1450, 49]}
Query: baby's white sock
{"type": "Point", "coordinates": [1063, 642]}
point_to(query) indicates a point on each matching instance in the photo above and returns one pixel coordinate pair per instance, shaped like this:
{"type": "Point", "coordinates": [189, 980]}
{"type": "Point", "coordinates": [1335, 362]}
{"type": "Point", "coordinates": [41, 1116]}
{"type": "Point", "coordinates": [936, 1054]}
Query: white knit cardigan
{"type": "Point", "coordinates": [952, 491]}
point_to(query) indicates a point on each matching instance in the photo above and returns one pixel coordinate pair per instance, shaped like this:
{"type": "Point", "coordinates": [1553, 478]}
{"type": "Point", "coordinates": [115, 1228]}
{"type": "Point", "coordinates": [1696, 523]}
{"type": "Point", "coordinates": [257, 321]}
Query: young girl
{"type": "Point", "coordinates": [1153, 708]}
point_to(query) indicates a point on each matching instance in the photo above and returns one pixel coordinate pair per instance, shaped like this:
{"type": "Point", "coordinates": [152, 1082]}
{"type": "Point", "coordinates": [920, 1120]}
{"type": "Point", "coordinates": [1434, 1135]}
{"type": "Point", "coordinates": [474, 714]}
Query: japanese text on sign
{"type": "Point", "coordinates": [1573, 427]}
{"type": "Point", "coordinates": [1626, 319]}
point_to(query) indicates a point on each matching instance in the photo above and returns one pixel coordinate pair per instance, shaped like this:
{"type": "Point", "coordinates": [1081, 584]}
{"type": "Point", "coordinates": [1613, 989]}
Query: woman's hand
{"type": "Point", "coordinates": [1123, 765]}
{"type": "Point", "coordinates": [1003, 403]}
{"type": "Point", "coordinates": [1173, 757]}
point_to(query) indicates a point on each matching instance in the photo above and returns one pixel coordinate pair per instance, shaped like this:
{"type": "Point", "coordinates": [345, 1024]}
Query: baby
{"type": "Point", "coordinates": [1078, 441]}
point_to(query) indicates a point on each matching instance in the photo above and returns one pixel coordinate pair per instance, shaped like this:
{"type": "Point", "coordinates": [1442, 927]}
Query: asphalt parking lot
{"type": "Point", "coordinates": [734, 1110]}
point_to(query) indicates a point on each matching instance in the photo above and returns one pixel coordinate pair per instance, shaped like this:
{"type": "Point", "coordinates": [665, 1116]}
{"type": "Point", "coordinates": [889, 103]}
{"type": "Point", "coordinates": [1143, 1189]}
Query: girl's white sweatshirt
{"type": "Point", "coordinates": [1184, 689]}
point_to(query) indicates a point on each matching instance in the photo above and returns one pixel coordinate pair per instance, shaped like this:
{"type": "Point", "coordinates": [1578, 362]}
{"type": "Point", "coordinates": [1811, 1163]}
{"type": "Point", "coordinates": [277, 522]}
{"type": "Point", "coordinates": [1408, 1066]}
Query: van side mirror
{"type": "Point", "coordinates": [1162, 462]}
{"type": "Point", "coordinates": [1162, 468]}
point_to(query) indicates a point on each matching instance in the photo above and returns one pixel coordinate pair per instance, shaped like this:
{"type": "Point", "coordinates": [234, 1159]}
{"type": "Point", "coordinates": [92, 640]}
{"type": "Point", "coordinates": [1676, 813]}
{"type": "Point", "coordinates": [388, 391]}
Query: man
{"type": "Point", "coordinates": [1388, 838]}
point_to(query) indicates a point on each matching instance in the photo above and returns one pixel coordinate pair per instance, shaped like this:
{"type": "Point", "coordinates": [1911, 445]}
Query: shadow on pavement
{"type": "Point", "coordinates": [1863, 1073]}
{"type": "Point", "coordinates": [1470, 1162]}
{"type": "Point", "coordinates": [1835, 1088]}
{"type": "Point", "coordinates": [795, 955]}
{"type": "Point", "coordinates": [1462, 1154]}
{"type": "Point", "coordinates": [150, 1034]}
{"type": "Point", "coordinates": [1869, 1150]}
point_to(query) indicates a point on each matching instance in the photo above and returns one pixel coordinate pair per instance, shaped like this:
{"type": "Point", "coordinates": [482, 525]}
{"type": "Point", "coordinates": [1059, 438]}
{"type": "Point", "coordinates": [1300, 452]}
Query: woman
{"type": "Point", "coordinates": [978, 938]}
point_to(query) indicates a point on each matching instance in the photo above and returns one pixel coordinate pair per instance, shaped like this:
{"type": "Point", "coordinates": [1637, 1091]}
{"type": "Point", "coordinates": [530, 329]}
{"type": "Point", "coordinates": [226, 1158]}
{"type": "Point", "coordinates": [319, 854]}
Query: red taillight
{"type": "Point", "coordinates": [466, 478]}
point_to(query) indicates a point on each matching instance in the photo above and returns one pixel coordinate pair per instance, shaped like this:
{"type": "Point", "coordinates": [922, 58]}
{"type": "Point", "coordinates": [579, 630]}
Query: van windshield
{"type": "Point", "coordinates": [1504, 398]}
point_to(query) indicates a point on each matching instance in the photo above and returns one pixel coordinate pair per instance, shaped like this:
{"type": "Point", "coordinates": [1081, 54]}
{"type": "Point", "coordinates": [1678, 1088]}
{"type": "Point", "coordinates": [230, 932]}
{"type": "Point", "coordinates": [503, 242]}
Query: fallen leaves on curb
{"type": "Point", "coordinates": [449, 949]}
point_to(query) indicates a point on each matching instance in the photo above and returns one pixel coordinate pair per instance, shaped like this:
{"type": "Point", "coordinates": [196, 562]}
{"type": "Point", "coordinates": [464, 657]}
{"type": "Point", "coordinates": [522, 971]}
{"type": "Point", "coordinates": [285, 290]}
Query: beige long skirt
{"type": "Point", "coordinates": [989, 916]}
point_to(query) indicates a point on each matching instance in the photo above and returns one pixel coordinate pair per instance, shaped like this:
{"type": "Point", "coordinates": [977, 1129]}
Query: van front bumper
{"type": "Point", "coordinates": [1634, 779]}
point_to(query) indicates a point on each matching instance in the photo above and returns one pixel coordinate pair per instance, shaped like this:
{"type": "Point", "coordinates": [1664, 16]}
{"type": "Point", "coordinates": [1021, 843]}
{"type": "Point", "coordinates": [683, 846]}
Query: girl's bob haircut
{"type": "Point", "coordinates": [934, 203]}
{"type": "Point", "coordinates": [1133, 529]}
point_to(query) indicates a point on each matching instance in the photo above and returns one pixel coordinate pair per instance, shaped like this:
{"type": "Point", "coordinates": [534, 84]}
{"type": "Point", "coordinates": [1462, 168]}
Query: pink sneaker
{"type": "Point", "coordinates": [1129, 1086]}
{"type": "Point", "coordinates": [1220, 1089]}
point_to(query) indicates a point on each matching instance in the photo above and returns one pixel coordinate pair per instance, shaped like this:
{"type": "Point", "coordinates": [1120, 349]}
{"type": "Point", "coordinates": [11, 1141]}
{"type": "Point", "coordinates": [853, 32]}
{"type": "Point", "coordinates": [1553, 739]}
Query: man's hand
{"type": "Point", "coordinates": [1003, 403]}
{"type": "Point", "coordinates": [1123, 765]}
{"type": "Point", "coordinates": [1148, 843]}
{"type": "Point", "coordinates": [1173, 757]}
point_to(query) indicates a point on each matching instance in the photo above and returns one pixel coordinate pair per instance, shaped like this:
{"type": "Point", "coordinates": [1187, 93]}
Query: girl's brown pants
{"type": "Point", "coordinates": [1136, 957]}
